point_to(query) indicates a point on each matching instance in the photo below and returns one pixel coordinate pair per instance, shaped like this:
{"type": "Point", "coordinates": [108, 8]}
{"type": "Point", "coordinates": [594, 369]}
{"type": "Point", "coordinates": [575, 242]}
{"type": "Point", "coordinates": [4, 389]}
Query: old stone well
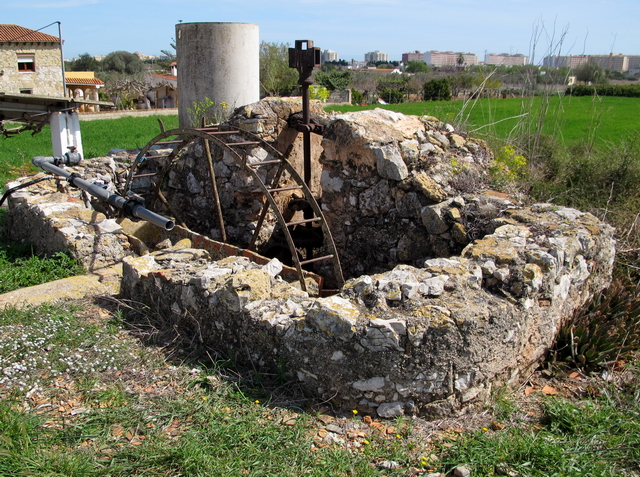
{"type": "Point", "coordinates": [451, 289]}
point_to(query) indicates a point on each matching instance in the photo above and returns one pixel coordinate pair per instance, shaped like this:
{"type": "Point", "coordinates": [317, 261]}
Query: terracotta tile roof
{"type": "Point", "coordinates": [167, 77]}
{"type": "Point", "coordinates": [16, 33]}
{"type": "Point", "coordinates": [70, 80]}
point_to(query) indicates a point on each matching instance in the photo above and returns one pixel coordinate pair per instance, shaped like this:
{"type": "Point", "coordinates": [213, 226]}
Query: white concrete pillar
{"type": "Point", "coordinates": [219, 61]}
{"type": "Point", "coordinates": [65, 132]}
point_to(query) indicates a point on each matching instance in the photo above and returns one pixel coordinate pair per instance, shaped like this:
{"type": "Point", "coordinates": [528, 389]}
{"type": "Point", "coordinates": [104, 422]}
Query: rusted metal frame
{"type": "Point", "coordinates": [329, 242]}
{"type": "Point", "coordinates": [145, 149]}
{"type": "Point", "coordinates": [265, 207]}
{"type": "Point", "coordinates": [272, 202]}
{"type": "Point", "coordinates": [214, 186]}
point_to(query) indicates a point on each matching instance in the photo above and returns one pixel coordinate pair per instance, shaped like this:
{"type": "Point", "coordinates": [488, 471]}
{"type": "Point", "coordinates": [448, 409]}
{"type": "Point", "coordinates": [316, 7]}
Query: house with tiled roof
{"type": "Point", "coordinates": [163, 90]}
{"type": "Point", "coordinates": [83, 85]}
{"type": "Point", "coordinates": [30, 62]}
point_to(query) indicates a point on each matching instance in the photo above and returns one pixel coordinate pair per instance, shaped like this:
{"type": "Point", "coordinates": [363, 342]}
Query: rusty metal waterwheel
{"type": "Point", "coordinates": [236, 143]}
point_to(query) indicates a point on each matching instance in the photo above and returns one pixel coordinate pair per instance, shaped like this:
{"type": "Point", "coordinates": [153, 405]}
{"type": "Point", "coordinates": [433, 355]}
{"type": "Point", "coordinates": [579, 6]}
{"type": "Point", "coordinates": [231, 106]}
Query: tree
{"type": "Point", "coordinates": [85, 62]}
{"type": "Point", "coordinates": [335, 80]}
{"type": "Point", "coordinates": [122, 62]}
{"type": "Point", "coordinates": [170, 55]}
{"type": "Point", "coordinates": [460, 83]}
{"type": "Point", "coordinates": [590, 73]}
{"type": "Point", "coordinates": [416, 67]}
{"type": "Point", "coordinates": [437, 90]}
{"type": "Point", "coordinates": [392, 96]}
{"type": "Point", "coordinates": [276, 78]}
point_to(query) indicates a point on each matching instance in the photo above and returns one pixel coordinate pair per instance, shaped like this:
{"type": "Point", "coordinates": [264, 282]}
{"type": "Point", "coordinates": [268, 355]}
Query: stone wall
{"type": "Point", "coordinates": [46, 80]}
{"type": "Point", "coordinates": [430, 340]}
{"type": "Point", "coordinates": [392, 188]}
{"type": "Point", "coordinates": [452, 290]}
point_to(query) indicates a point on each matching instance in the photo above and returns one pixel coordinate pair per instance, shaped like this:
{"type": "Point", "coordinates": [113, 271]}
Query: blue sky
{"type": "Point", "coordinates": [350, 27]}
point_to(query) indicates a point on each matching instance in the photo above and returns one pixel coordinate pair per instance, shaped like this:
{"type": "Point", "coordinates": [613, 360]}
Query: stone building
{"type": "Point", "coordinates": [30, 62]}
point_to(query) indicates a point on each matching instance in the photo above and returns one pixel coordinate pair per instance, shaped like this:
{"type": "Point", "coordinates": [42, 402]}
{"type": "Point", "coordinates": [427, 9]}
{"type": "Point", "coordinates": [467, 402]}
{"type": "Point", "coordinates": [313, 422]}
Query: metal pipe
{"type": "Point", "coordinates": [130, 206]}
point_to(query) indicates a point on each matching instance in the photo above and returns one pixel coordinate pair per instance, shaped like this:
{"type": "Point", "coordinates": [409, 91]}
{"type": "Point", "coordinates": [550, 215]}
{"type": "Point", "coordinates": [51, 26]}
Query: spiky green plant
{"type": "Point", "coordinates": [603, 332]}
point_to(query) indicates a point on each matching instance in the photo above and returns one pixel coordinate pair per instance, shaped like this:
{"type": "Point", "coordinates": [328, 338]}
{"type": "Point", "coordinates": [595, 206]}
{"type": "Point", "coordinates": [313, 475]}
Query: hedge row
{"type": "Point", "coordinates": [627, 90]}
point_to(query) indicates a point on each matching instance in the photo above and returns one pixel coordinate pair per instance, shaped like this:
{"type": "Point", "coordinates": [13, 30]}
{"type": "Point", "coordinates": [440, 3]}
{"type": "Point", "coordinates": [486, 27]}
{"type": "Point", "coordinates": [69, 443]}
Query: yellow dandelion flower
{"type": "Point", "coordinates": [355, 412]}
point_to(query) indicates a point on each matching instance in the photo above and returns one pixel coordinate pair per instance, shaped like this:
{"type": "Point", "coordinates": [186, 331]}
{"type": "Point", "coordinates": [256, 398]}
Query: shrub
{"type": "Point", "coordinates": [626, 91]}
{"type": "Point", "coordinates": [392, 96]}
{"type": "Point", "coordinates": [437, 90]}
{"type": "Point", "coordinates": [603, 332]}
{"type": "Point", "coordinates": [357, 97]}
{"type": "Point", "coordinates": [507, 166]}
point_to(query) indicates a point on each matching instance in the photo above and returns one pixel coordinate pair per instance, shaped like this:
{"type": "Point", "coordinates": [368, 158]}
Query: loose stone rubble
{"type": "Point", "coordinates": [452, 291]}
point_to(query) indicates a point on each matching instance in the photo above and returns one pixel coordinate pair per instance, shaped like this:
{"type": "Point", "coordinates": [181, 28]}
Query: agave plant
{"type": "Point", "coordinates": [605, 331]}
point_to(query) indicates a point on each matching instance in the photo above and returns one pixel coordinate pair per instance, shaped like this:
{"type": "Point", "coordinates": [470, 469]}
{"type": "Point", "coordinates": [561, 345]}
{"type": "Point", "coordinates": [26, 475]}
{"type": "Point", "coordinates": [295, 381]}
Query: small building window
{"type": "Point", "coordinates": [26, 91]}
{"type": "Point", "coordinates": [26, 63]}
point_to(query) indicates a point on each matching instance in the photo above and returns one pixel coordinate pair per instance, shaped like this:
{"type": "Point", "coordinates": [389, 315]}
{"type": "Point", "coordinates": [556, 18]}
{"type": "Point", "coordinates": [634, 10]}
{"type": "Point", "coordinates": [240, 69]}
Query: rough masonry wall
{"type": "Point", "coordinates": [472, 300]}
{"type": "Point", "coordinates": [453, 290]}
{"type": "Point", "coordinates": [392, 188]}
{"type": "Point", "coordinates": [429, 340]}
{"type": "Point", "coordinates": [45, 81]}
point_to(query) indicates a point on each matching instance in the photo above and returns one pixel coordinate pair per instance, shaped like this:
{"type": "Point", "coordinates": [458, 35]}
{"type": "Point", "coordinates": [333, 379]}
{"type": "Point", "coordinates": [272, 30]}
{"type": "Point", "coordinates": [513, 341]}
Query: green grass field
{"type": "Point", "coordinates": [81, 395]}
{"type": "Point", "coordinates": [569, 119]}
{"type": "Point", "coordinates": [98, 138]}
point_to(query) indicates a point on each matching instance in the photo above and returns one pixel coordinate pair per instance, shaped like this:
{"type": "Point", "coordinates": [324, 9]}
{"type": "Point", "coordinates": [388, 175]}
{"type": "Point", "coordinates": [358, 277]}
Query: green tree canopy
{"type": "Point", "coordinates": [276, 78]}
{"type": "Point", "coordinates": [590, 73]}
{"type": "Point", "coordinates": [335, 80]}
{"type": "Point", "coordinates": [416, 67]}
{"type": "Point", "coordinates": [459, 83]}
{"type": "Point", "coordinates": [122, 62]}
{"type": "Point", "coordinates": [85, 62]}
{"type": "Point", "coordinates": [437, 90]}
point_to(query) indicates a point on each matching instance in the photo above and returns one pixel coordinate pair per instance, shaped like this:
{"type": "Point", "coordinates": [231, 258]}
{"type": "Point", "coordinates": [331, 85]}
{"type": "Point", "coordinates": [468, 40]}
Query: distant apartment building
{"type": "Point", "coordinates": [415, 56]}
{"type": "Point", "coordinates": [505, 59]}
{"type": "Point", "coordinates": [634, 62]}
{"type": "Point", "coordinates": [449, 58]}
{"type": "Point", "coordinates": [376, 56]}
{"type": "Point", "coordinates": [329, 55]}
{"type": "Point", "coordinates": [611, 62]}
{"type": "Point", "coordinates": [573, 61]}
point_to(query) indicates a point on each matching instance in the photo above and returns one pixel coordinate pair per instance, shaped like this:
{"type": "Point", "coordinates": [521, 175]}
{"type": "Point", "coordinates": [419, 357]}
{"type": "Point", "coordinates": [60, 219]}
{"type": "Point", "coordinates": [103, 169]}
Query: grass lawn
{"type": "Point", "coordinates": [85, 392]}
{"type": "Point", "coordinates": [98, 138]}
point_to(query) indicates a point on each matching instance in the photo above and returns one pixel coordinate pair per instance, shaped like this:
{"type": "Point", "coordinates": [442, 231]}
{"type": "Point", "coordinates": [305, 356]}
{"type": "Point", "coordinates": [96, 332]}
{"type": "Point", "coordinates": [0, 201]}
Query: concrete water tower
{"type": "Point", "coordinates": [219, 61]}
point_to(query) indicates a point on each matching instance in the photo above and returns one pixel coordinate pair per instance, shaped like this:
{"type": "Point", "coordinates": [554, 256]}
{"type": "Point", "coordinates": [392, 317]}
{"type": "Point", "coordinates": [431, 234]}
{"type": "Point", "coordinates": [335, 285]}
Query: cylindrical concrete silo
{"type": "Point", "coordinates": [219, 61]}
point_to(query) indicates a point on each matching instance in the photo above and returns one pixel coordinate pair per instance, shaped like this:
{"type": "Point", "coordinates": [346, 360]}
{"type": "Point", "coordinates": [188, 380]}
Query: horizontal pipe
{"type": "Point", "coordinates": [130, 206]}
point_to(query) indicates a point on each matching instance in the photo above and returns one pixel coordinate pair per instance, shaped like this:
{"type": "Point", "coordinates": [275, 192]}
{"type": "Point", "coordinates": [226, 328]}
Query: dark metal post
{"type": "Point", "coordinates": [305, 60]}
